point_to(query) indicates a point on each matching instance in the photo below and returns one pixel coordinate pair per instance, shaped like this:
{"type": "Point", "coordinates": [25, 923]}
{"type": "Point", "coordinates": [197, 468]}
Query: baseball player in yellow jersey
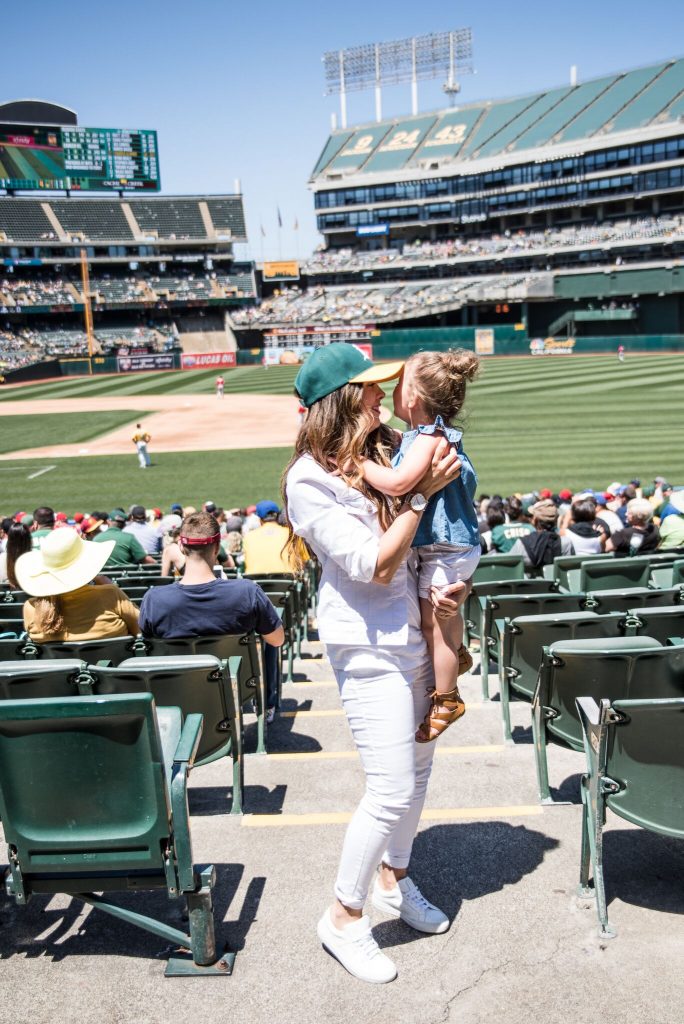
{"type": "Point", "coordinates": [141, 439]}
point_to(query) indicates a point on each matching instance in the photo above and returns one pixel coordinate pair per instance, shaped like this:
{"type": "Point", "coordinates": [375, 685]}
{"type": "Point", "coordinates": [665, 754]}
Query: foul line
{"type": "Point", "coordinates": [432, 814]}
{"type": "Point", "coordinates": [340, 755]}
{"type": "Point", "coordinates": [32, 476]}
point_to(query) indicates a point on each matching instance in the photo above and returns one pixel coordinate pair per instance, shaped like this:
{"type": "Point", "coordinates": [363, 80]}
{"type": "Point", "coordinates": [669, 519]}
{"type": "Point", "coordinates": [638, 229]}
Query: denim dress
{"type": "Point", "coordinates": [450, 515]}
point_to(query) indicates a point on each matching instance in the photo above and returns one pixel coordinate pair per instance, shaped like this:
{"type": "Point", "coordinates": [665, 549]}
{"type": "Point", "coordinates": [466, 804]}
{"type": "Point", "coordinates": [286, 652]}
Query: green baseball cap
{"type": "Point", "coordinates": [332, 366]}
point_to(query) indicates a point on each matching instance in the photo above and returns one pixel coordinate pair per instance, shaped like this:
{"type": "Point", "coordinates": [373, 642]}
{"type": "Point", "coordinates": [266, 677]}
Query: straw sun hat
{"type": "Point", "coordinates": [63, 562]}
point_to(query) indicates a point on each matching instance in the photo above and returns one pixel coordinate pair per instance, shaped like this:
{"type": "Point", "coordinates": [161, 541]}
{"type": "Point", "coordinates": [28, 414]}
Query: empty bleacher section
{"type": "Point", "coordinates": [24, 220]}
{"type": "Point", "coordinates": [104, 220]}
{"type": "Point", "coordinates": [96, 219]}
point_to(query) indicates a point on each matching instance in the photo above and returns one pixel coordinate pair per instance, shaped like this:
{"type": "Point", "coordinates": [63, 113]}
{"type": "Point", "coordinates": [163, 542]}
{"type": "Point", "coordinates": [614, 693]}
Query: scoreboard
{"type": "Point", "coordinates": [82, 159]}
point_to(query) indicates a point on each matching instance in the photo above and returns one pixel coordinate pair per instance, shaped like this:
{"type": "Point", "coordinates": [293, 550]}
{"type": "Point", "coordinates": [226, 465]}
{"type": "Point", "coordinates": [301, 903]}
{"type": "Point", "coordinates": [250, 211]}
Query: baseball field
{"type": "Point", "coordinates": [529, 423]}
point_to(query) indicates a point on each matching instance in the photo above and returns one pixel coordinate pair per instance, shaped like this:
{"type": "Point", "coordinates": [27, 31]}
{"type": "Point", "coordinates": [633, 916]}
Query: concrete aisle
{"type": "Point", "coordinates": [503, 867]}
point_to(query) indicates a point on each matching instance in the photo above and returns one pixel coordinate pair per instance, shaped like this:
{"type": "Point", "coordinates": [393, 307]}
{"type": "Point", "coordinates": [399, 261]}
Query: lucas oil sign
{"type": "Point", "coordinates": [207, 360]}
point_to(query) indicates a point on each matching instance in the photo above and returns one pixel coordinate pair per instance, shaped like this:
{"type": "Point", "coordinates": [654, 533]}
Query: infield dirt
{"type": "Point", "coordinates": [176, 423]}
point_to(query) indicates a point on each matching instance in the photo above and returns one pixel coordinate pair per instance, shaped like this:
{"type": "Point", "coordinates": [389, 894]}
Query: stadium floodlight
{"type": "Point", "coordinates": [403, 60]}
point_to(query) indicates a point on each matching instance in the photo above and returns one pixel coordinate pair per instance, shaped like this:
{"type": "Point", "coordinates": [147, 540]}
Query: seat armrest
{"type": "Point", "coordinates": [188, 744]}
{"type": "Point", "coordinates": [675, 641]}
{"type": "Point", "coordinates": [589, 709]}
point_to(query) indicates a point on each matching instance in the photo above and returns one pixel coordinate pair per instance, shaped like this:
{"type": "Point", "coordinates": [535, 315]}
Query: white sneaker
{"type": "Point", "coordinates": [357, 950]}
{"type": "Point", "coordinates": [407, 902]}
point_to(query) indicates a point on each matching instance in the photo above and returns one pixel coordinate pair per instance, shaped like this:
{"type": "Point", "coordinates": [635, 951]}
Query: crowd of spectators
{"type": "Point", "coordinates": [626, 519]}
{"type": "Point", "coordinates": [380, 302]}
{"type": "Point", "coordinates": [509, 243]}
{"type": "Point", "coordinates": [66, 289]}
{"type": "Point", "coordinates": [21, 346]}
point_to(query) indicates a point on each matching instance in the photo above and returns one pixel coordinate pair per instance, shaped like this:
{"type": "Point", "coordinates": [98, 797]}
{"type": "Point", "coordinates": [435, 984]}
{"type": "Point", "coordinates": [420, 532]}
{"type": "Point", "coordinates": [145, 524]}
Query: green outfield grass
{"type": "Point", "coordinates": [529, 423]}
{"type": "Point", "coordinates": [58, 428]}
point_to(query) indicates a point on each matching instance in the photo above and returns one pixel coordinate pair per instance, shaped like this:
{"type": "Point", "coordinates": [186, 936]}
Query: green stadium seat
{"type": "Point", "coordinates": [635, 768]}
{"type": "Point", "coordinates": [660, 623]}
{"type": "Point", "coordinates": [576, 100]}
{"type": "Point", "coordinates": [658, 95]}
{"type": "Point", "coordinates": [603, 109]}
{"type": "Point", "coordinates": [522, 643]}
{"type": "Point", "coordinates": [17, 649]}
{"type": "Point", "coordinates": [243, 649]}
{"type": "Point", "coordinates": [621, 668]}
{"type": "Point", "coordinates": [93, 801]}
{"type": "Point", "coordinates": [28, 680]}
{"type": "Point", "coordinates": [113, 649]}
{"type": "Point", "coordinates": [622, 600]}
{"type": "Point", "coordinates": [475, 608]}
{"type": "Point", "coordinates": [281, 593]}
{"type": "Point", "coordinates": [614, 574]}
{"type": "Point", "coordinates": [499, 567]}
{"type": "Point", "coordinates": [566, 570]}
{"type": "Point", "coordinates": [678, 573]}
{"type": "Point", "coordinates": [198, 685]}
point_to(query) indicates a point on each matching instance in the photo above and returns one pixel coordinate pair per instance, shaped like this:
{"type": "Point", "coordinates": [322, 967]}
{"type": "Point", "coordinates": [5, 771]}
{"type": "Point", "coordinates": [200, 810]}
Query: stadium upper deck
{"type": "Point", "coordinates": [545, 158]}
{"type": "Point", "coordinates": [56, 224]}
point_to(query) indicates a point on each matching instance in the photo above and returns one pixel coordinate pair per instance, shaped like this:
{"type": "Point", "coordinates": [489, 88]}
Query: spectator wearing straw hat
{"type": "Point", "coordinates": [69, 599]}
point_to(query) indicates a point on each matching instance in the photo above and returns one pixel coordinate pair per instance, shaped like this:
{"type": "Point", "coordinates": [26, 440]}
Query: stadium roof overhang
{"type": "Point", "coordinates": [455, 168]}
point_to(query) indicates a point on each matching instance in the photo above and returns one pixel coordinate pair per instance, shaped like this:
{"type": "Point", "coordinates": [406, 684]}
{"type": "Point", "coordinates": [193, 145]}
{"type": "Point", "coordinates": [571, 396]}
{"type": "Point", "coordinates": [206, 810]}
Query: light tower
{"type": "Point", "coordinates": [373, 65]}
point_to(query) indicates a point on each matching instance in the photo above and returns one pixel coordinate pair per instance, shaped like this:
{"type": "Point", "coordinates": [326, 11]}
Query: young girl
{"type": "Point", "coordinates": [429, 395]}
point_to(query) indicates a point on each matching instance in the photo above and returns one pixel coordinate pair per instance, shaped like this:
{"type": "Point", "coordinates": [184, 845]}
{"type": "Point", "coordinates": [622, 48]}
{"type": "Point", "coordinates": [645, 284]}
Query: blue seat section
{"type": "Point", "coordinates": [538, 106]}
{"type": "Point", "coordinates": [496, 118]}
{"type": "Point", "coordinates": [659, 95]}
{"type": "Point", "coordinates": [569, 107]}
{"type": "Point", "coordinates": [330, 151]}
{"type": "Point", "coordinates": [622, 92]}
{"type": "Point", "coordinates": [359, 147]}
{"type": "Point", "coordinates": [448, 135]}
{"type": "Point", "coordinates": [401, 142]}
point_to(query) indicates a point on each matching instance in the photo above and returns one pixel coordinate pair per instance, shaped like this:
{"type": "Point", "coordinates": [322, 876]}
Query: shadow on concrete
{"type": "Point", "coordinates": [204, 801]}
{"type": "Point", "coordinates": [643, 868]}
{"type": "Point", "coordinates": [454, 863]}
{"type": "Point", "coordinates": [38, 930]}
{"type": "Point", "coordinates": [521, 734]}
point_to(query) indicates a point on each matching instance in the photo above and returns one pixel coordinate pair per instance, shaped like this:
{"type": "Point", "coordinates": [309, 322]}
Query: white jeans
{"type": "Point", "coordinates": [143, 456]}
{"type": "Point", "coordinates": [384, 693]}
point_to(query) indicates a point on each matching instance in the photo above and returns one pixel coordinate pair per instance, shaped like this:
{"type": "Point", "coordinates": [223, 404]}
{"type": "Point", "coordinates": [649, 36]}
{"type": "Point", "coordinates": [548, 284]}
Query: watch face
{"type": "Point", "coordinates": [418, 502]}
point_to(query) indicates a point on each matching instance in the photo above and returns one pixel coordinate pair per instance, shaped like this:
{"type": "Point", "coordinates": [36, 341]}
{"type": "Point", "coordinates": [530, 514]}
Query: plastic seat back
{"type": "Point", "coordinates": [31, 680]}
{"type": "Point", "coordinates": [566, 569]}
{"type": "Point", "coordinates": [530, 634]}
{"type": "Point", "coordinates": [472, 609]}
{"type": "Point", "coordinates": [222, 647]}
{"type": "Point", "coordinates": [678, 573]}
{"type": "Point", "coordinates": [17, 650]}
{"type": "Point", "coordinates": [195, 684]}
{"type": "Point", "coordinates": [614, 574]}
{"type": "Point", "coordinates": [114, 649]}
{"type": "Point", "coordinates": [622, 600]}
{"type": "Point", "coordinates": [82, 786]}
{"type": "Point", "coordinates": [660, 623]}
{"type": "Point", "coordinates": [645, 756]}
{"type": "Point", "coordinates": [499, 567]}
{"type": "Point", "coordinates": [622, 668]}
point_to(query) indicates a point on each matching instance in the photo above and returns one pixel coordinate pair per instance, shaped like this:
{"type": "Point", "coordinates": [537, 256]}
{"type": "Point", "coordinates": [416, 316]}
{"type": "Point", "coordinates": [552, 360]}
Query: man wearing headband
{"type": "Point", "coordinates": [201, 605]}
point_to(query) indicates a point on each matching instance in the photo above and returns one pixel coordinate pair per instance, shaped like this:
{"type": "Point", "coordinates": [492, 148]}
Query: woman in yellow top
{"type": "Point", "coordinates": [70, 600]}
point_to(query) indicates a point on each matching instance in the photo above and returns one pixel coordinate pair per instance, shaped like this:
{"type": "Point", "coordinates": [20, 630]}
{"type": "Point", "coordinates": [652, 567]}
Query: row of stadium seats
{"type": "Point", "coordinates": [510, 244]}
{"type": "Point", "coordinates": [28, 345]}
{"type": "Point", "coordinates": [130, 220]}
{"type": "Point", "coordinates": [603, 672]}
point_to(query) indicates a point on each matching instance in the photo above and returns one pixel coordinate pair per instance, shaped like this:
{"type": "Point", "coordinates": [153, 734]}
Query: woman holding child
{"type": "Point", "coordinates": [399, 692]}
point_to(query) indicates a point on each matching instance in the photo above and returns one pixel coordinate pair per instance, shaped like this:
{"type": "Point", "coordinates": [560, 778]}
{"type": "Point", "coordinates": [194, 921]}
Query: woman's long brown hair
{"type": "Point", "coordinates": [335, 434]}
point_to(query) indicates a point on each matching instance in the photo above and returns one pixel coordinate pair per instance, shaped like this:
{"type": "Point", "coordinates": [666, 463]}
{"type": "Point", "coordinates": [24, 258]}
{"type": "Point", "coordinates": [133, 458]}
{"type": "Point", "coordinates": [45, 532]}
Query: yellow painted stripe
{"type": "Point", "coordinates": [432, 814]}
{"type": "Point", "coordinates": [340, 755]}
{"type": "Point", "coordinates": [335, 712]}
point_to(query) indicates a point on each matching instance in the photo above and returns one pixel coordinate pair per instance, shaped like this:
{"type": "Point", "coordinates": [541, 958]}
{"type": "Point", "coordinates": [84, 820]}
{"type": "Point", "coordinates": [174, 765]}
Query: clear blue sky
{"type": "Point", "coordinates": [235, 90]}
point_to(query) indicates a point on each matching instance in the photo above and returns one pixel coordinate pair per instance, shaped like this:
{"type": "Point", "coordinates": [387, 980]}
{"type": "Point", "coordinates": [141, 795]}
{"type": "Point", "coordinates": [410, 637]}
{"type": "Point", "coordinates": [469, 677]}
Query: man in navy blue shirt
{"type": "Point", "coordinates": [201, 605]}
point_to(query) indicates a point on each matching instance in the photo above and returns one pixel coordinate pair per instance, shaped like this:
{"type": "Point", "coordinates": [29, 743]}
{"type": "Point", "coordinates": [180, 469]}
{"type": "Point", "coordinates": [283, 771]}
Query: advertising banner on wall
{"type": "Point", "coordinates": [153, 361]}
{"type": "Point", "coordinates": [208, 360]}
{"type": "Point", "coordinates": [484, 341]}
{"type": "Point", "coordinates": [552, 346]}
{"type": "Point", "coordinates": [280, 270]}
{"type": "Point", "coordinates": [294, 354]}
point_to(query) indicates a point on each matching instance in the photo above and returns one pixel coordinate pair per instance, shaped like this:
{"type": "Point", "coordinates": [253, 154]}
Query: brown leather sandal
{"type": "Point", "coordinates": [465, 660]}
{"type": "Point", "coordinates": [444, 709]}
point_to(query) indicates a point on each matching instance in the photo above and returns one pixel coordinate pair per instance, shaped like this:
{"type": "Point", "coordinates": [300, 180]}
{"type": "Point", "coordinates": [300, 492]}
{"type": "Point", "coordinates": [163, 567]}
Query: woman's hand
{"type": "Point", "coordinates": [447, 601]}
{"type": "Point", "coordinates": [445, 467]}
